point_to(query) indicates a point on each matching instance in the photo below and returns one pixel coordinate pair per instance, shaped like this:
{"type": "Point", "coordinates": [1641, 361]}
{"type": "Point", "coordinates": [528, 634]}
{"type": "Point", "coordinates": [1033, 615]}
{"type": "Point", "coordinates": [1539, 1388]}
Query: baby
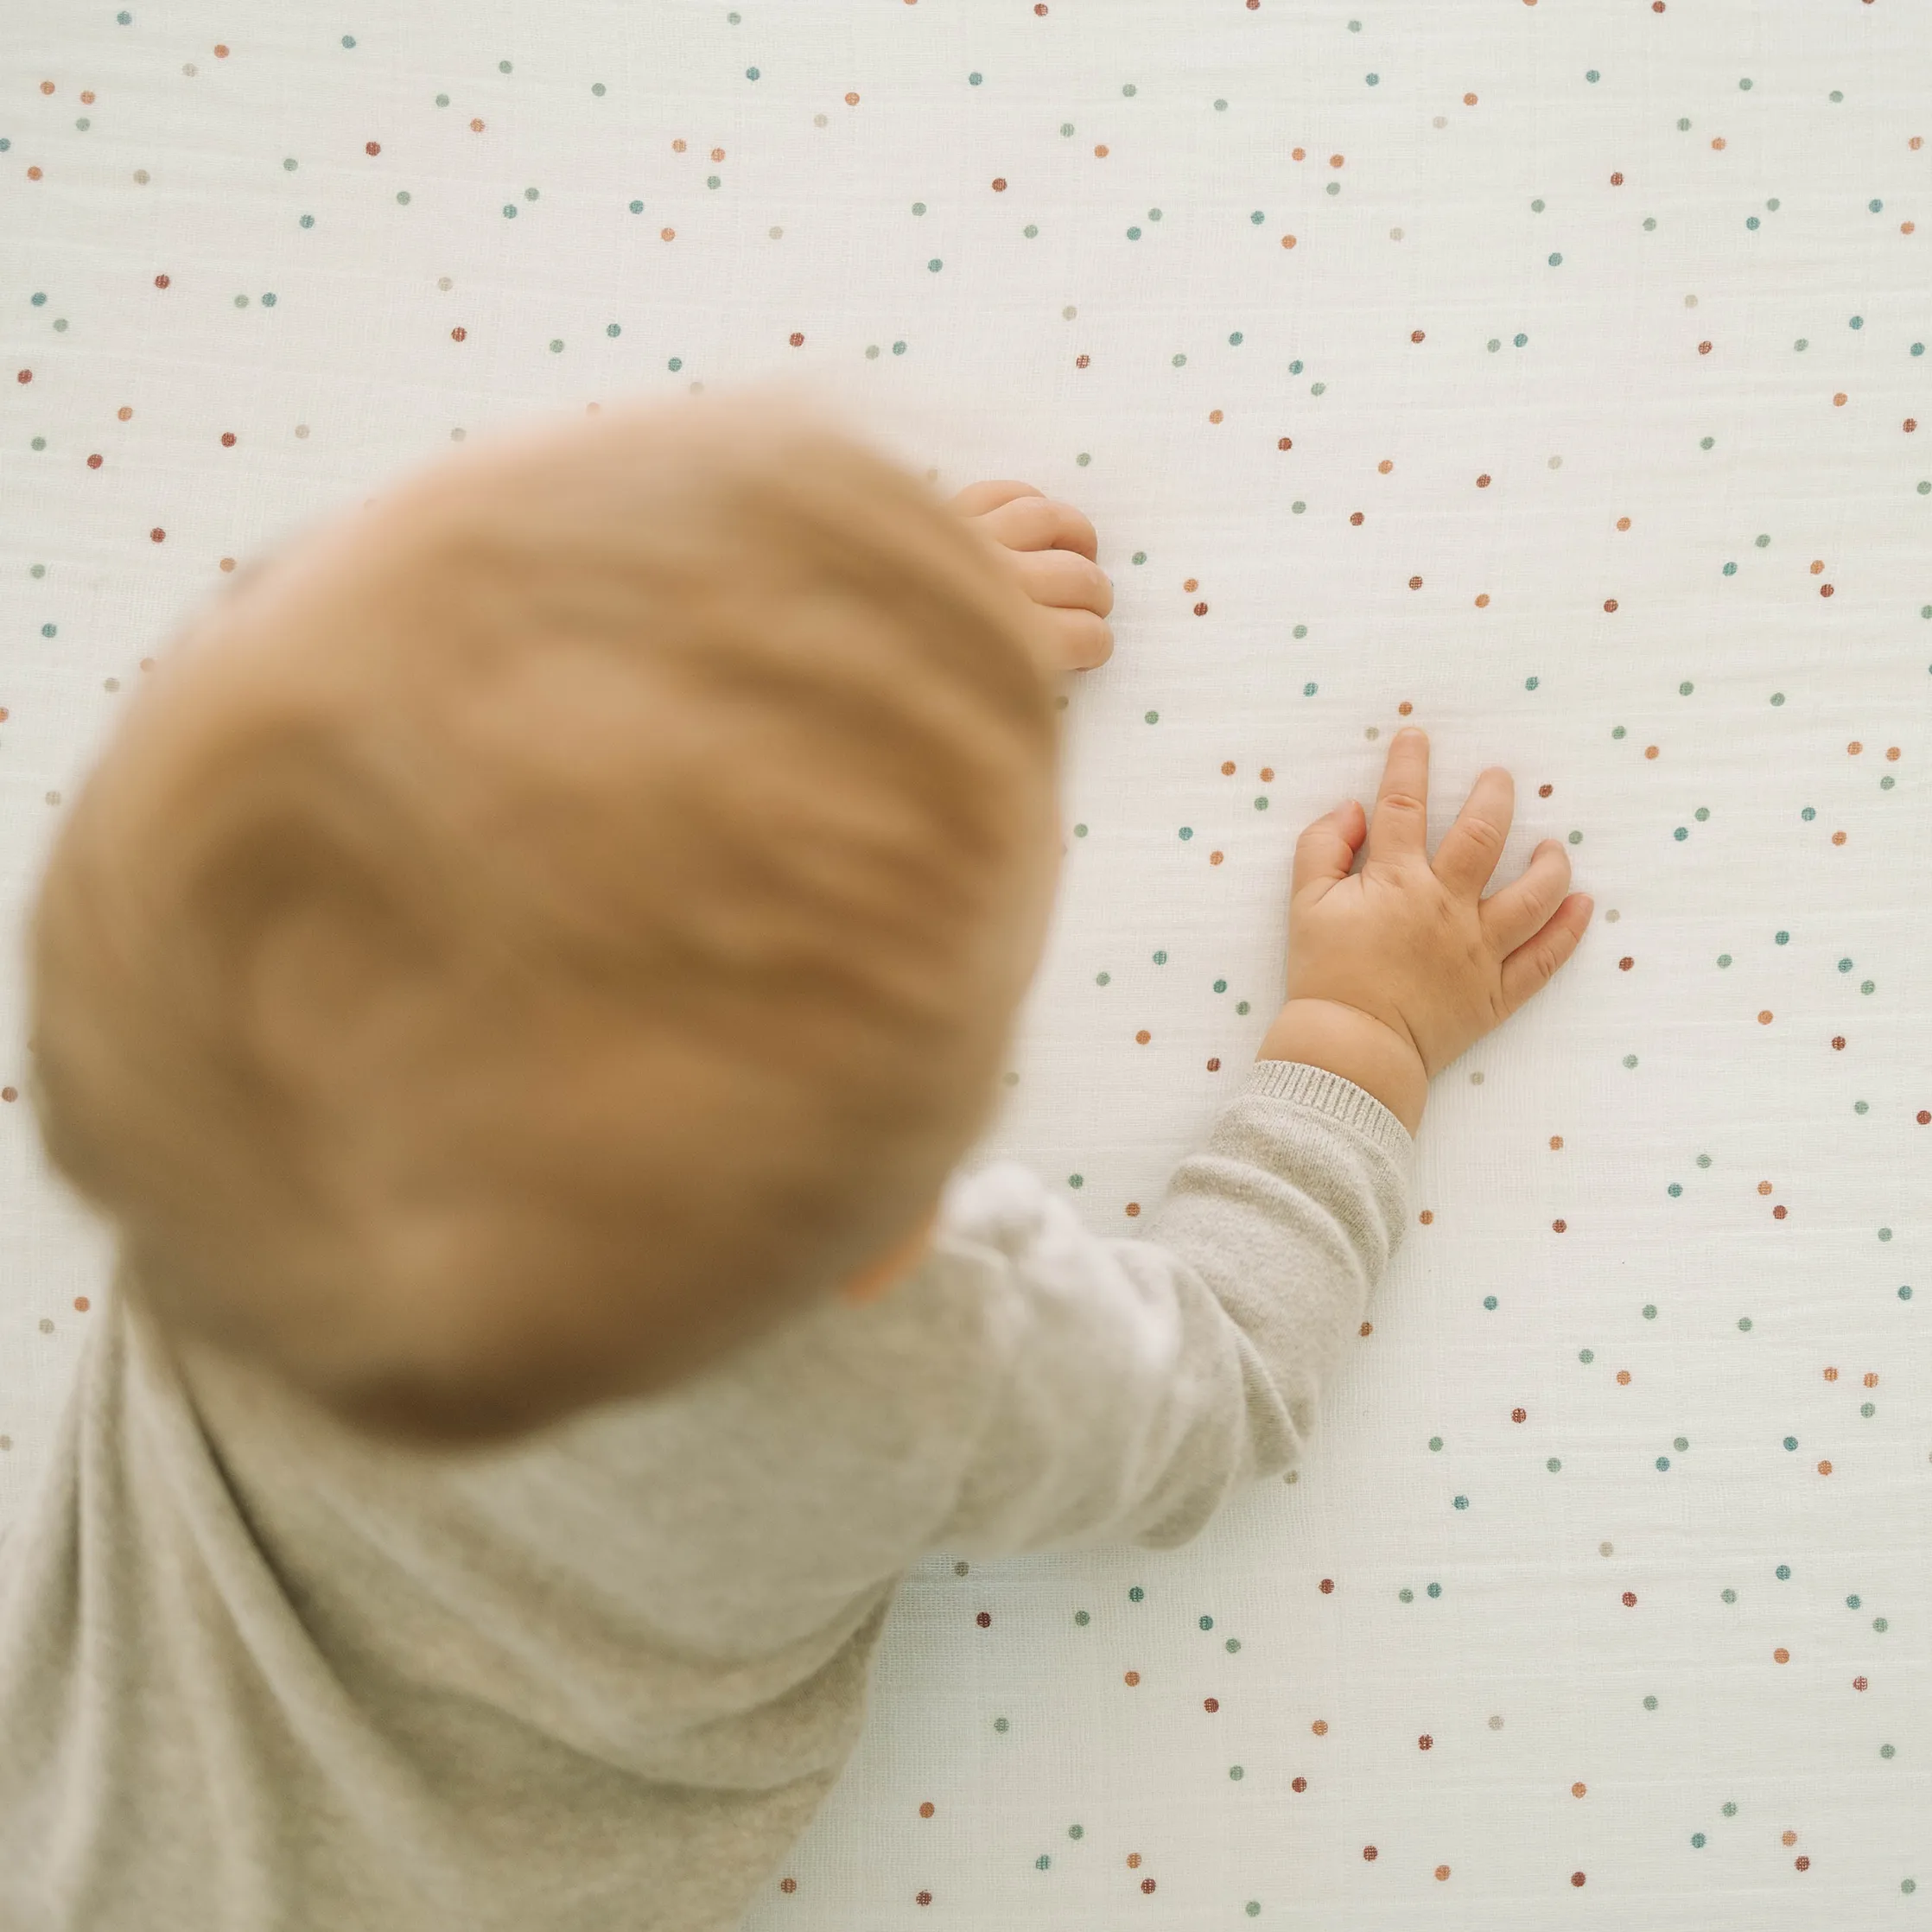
{"type": "Point", "coordinates": [521, 985]}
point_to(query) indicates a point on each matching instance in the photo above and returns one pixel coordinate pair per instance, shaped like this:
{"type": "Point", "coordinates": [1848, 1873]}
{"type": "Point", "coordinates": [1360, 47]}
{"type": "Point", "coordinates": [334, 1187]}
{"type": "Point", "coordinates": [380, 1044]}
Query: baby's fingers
{"type": "Point", "coordinates": [1534, 963]}
{"type": "Point", "coordinates": [1518, 911]}
{"type": "Point", "coordinates": [976, 498]}
{"type": "Point", "coordinates": [1325, 851]}
{"type": "Point", "coordinates": [1076, 640]}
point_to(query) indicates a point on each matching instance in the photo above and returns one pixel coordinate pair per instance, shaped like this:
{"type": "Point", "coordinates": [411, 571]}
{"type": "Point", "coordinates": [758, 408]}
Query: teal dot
{"type": "Point", "coordinates": [1531, 684]}
{"type": "Point", "coordinates": [1462, 1502]}
{"type": "Point", "coordinates": [1082, 1618]}
{"type": "Point", "coordinates": [1488, 1302]}
{"type": "Point", "coordinates": [1702, 814]}
{"type": "Point", "coordinates": [1234, 340]}
{"type": "Point", "coordinates": [1663, 1462]}
{"type": "Point", "coordinates": [348, 39]}
{"type": "Point", "coordinates": [1681, 833]}
{"type": "Point", "coordinates": [637, 207]}
{"type": "Point", "coordinates": [1764, 543]}
{"type": "Point", "coordinates": [1750, 221]}
{"type": "Point", "coordinates": [125, 19]}
{"type": "Point", "coordinates": [751, 73]}
{"type": "Point", "coordinates": [972, 79]}
{"type": "Point", "coordinates": [1729, 1596]}
{"type": "Point", "coordinates": [1592, 76]}
{"type": "Point", "coordinates": [1076, 1181]}
{"type": "Point", "coordinates": [1778, 697]}
{"type": "Point", "coordinates": [898, 348]}
{"type": "Point", "coordinates": [1685, 689]}
{"type": "Point", "coordinates": [1876, 207]}
{"type": "Point", "coordinates": [1133, 234]}
{"type": "Point", "coordinates": [1556, 261]}
{"type": "Point", "coordinates": [1697, 1841]}
{"type": "Point", "coordinates": [509, 211]}
{"type": "Point", "coordinates": [403, 196]}
{"type": "Point", "coordinates": [1042, 1862]}
{"type": "Point", "coordinates": [676, 362]}
{"type": "Point", "coordinates": [1587, 1356]}
{"type": "Point", "coordinates": [935, 265]}
{"type": "Point", "coordinates": [1918, 348]}
{"type": "Point", "coordinates": [1186, 832]}
{"type": "Point", "coordinates": [1724, 959]}
{"type": "Point", "coordinates": [1135, 1594]}
{"type": "Point", "coordinates": [1783, 1572]}
{"type": "Point", "coordinates": [1161, 959]}
{"type": "Point", "coordinates": [1808, 813]}
{"type": "Point", "coordinates": [597, 88]}
{"type": "Point", "coordinates": [1730, 1809]}
{"type": "Point", "coordinates": [1553, 1466]}
{"type": "Point", "coordinates": [1435, 1589]}
{"type": "Point", "coordinates": [1904, 1294]}
{"type": "Point", "coordinates": [1744, 1324]}
{"type": "Point", "coordinates": [1730, 569]}
{"type": "Point", "coordinates": [1790, 1442]}
{"type": "Point", "coordinates": [48, 630]}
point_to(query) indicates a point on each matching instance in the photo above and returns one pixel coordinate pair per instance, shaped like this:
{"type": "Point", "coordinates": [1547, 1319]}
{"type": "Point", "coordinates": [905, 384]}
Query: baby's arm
{"type": "Point", "coordinates": [1145, 1380]}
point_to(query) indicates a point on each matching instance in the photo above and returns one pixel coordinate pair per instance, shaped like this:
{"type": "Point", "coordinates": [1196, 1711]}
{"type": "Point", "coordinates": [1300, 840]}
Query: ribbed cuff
{"type": "Point", "coordinates": [1341, 1099]}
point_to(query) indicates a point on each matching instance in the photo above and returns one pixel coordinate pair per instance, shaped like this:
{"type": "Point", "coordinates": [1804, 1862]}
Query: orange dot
{"type": "Point", "coordinates": [1142, 1037]}
{"type": "Point", "coordinates": [1267, 774]}
{"type": "Point", "coordinates": [1320, 1727]}
{"type": "Point", "coordinates": [33, 173]}
{"type": "Point", "coordinates": [1227, 768]}
{"type": "Point", "coordinates": [1133, 1209]}
{"type": "Point", "coordinates": [1482, 601]}
{"type": "Point", "coordinates": [1782, 1656]}
{"type": "Point", "coordinates": [1891, 753]}
{"type": "Point", "coordinates": [1763, 1187]}
{"type": "Point", "coordinates": [1856, 746]}
{"type": "Point", "coordinates": [1718, 142]}
{"type": "Point", "coordinates": [1870, 1378]}
{"type": "Point", "coordinates": [1838, 403]}
{"type": "Point", "coordinates": [123, 413]}
{"type": "Point", "coordinates": [851, 100]}
{"type": "Point", "coordinates": [667, 234]}
{"type": "Point", "coordinates": [925, 1810]}
{"type": "Point", "coordinates": [1623, 523]}
{"type": "Point", "coordinates": [1916, 142]}
{"type": "Point", "coordinates": [1556, 1141]}
{"type": "Point", "coordinates": [1301, 154]}
{"type": "Point", "coordinates": [1623, 1378]}
{"type": "Point", "coordinates": [1789, 1838]}
{"type": "Point", "coordinates": [1384, 467]}
{"type": "Point", "coordinates": [1132, 1678]}
{"type": "Point", "coordinates": [221, 53]}
{"type": "Point", "coordinates": [1133, 1861]}
{"type": "Point", "coordinates": [1824, 1469]}
{"type": "Point", "coordinates": [476, 127]}
{"type": "Point", "coordinates": [1578, 1791]}
{"type": "Point", "coordinates": [1838, 838]}
{"type": "Point", "coordinates": [1366, 1328]}
{"type": "Point", "coordinates": [1215, 858]}
{"type": "Point", "coordinates": [1403, 709]}
{"type": "Point", "coordinates": [1442, 1871]}
{"type": "Point", "coordinates": [1287, 241]}
{"type": "Point", "coordinates": [47, 86]}
{"type": "Point", "coordinates": [227, 563]}
{"type": "Point", "coordinates": [1214, 415]}
{"type": "Point", "coordinates": [1334, 160]}
{"type": "Point", "coordinates": [1190, 583]}
{"type": "Point", "coordinates": [1906, 227]}
{"type": "Point", "coordinates": [1650, 750]}
{"type": "Point", "coordinates": [678, 146]}
{"type": "Point", "coordinates": [717, 154]}
{"type": "Point", "coordinates": [1831, 1374]}
{"type": "Point", "coordinates": [1764, 1018]}
{"type": "Point", "coordinates": [1426, 1217]}
{"type": "Point", "coordinates": [82, 1304]}
{"type": "Point", "coordinates": [87, 97]}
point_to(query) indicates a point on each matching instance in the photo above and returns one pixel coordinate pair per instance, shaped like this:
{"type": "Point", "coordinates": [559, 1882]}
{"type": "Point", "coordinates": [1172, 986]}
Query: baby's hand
{"type": "Point", "coordinates": [1051, 547]}
{"type": "Point", "coordinates": [1395, 970]}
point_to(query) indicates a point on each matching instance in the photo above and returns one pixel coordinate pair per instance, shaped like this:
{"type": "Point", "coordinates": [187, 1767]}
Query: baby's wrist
{"type": "Point", "coordinates": [1353, 1043]}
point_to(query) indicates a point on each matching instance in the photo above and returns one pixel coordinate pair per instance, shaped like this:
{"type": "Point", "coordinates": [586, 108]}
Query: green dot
{"type": "Point", "coordinates": [1140, 557]}
{"type": "Point", "coordinates": [1435, 1442]}
{"type": "Point", "coordinates": [1253, 1908]}
{"type": "Point", "coordinates": [972, 79]}
{"type": "Point", "coordinates": [1834, 95]}
{"type": "Point", "coordinates": [1075, 1832]}
{"type": "Point", "coordinates": [1030, 230]}
{"type": "Point", "coordinates": [1861, 1106]}
{"type": "Point", "coordinates": [1879, 1624]}
{"type": "Point", "coordinates": [1221, 107]}
{"type": "Point", "coordinates": [1650, 223]}
{"type": "Point", "coordinates": [1867, 1410]}
{"type": "Point", "coordinates": [1241, 1007]}
{"type": "Point", "coordinates": [1082, 1618]}
{"type": "Point", "coordinates": [1079, 831]}
{"type": "Point", "coordinates": [1083, 459]}
{"type": "Point", "coordinates": [1704, 1160]}
{"type": "Point", "coordinates": [1553, 1466]}
{"type": "Point", "coordinates": [1586, 1355]}
{"type": "Point", "coordinates": [1405, 1595]}
{"type": "Point", "coordinates": [1298, 507]}
{"type": "Point", "coordinates": [597, 88]}
{"type": "Point", "coordinates": [1130, 90]}
{"type": "Point", "coordinates": [1730, 569]}
{"type": "Point", "coordinates": [1650, 1704]}
{"type": "Point", "coordinates": [1135, 1594]}
{"type": "Point", "coordinates": [503, 66]}
{"type": "Point", "coordinates": [1235, 1772]}
{"type": "Point", "coordinates": [1161, 959]}
{"type": "Point", "coordinates": [1730, 1809]}
{"type": "Point", "coordinates": [1232, 1645]}
{"type": "Point", "coordinates": [1300, 631]}
{"type": "Point", "coordinates": [1334, 188]}
{"type": "Point", "coordinates": [1576, 838]}
{"type": "Point", "coordinates": [1729, 1596]}
{"type": "Point", "coordinates": [1630, 1059]}
{"type": "Point", "coordinates": [1884, 1234]}
{"type": "Point", "coordinates": [1488, 1302]}
{"type": "Point", "coordinates": [1308, 690]}
{"type": "Point", "coordinates": [1618, 731]}
{"type": "Point", "coordinates": [1221, 986]}
{"type": "Point", "coordinates": [1461, 1502]}
{"type": "Point", "coordinates": [1707, 443]}
{"type": "Point", "coordinates": [1153, 717]}
{"type": "Point", "coordinates": [403, 196]}
{"type": "Point", "coordinates": [999, 1724]}
{"type": "Point", "coordinates": [1435, 1589]}
{"type": "Point", "coordinates": [1683, 126]}
{"type": "Point", "coordinates": [1744, 1323]}
{"type": "Point", "coordinates": [637, 207]}
{"type": "Point", "coordinates": [442, 100]}
{"type": "Point", "coordinates": [557, 345]}
{"type": "Point", "coordinates": [1133, 234]}
{"type": "Point", "coordinates": [1066, 127]}
{"type": "Point", "coordinates": [1778, 697]}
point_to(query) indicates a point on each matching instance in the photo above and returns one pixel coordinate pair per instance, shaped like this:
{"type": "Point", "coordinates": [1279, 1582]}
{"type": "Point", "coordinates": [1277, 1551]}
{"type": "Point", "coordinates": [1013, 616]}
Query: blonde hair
{"type": "Point", "coordinates": [543, 928]}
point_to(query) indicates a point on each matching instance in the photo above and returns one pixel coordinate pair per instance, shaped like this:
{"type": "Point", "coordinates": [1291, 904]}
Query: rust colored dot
{"type": "Point", "coordinates": [1483, 481]}
{"type": "Point", "coordinates": [1267, 774]}
{"type": "Point", "coordinates": [1384, 467]}
{"type": "Point", "coordinates": [1132, 1678]}
{"type": "Point", "coordinates": [1623, 523]}
{"type": "Point", "coordinates": [1327, 1587]}
{"type": "Point", "coordinates": [1779, 1212]}
{"type": "Point", "coordinates": [1630, 1599]}
{"type": "Point", "coordinates": [1616, 181]}
{"type": "Point", "coordinates": [1624, 965]}
{"type": "Point", "coordinates": [1284, 442]}
{"type": "Point", "coordinates": [1403, 709]}
{"type": "Point", "coordinates": [797, 339]}
{"type": "Point", "coordinates": [1416, 583]}
{"type": "Point", "coordinates": [1141, 1038]}
{"type": "Point", "coordinates": [1764, 1018]}
{"type": "Point", "coordinates": [1555, 1141]}
{"type": "Point", "coordinates": [10, 1094]}
{"type": "Point", "coordinates": [926, 1809]}
{"type": "Point", "coordinates": [1214, 1066]}
{"type": "Point", "coordinates": [1482, 600]}
{"type": "Point", "coordinates": [1082, 361]}
{"type": "Point", "coordinates": [1369, 1851]}
{"type": "Point", "coordinates": [94, 462]}
{"type": "Point", "coordinates": [788, 1886]}
{"type": "Point", "coordinates": [984, 1620]}
{"type": "Point", "coordinates": [1519, 1415]}
{"type": "Point", "coordinates": [1860, 1683]}
{"type": "Point", "coordinates": [1923, 1117]}
{"type": "Point", "coordinates": [1215, 858]}
{"type": "Point", "coordinates": [1576, 1878]}
{"type": "Point", "coordinates": [1132, 1209]}
{"type": "Point", "coordinates": [1320, 1727]}
{"type": "Point", "coordinates": [1782, 1656]}
{"type": "Point", "coordinates": [922, 1898]}
{"type": "Point", "coordinates": [1417, 335]}
{"type": "Point", "coordinates": [852, 100]}
{"type": "Point", "coordinates": [221, 53]}
{"type": "Point", "coordinates": [1442, 1871]}
{"type": "Point", "coordinates": [157, 535]}
{"type": "Point", "coordinates": [1911, 423]}
{"type": "Point", "coordinates": [1838, 1043]}
{"type": "Point", "coordinates": [476, 127]}
{"type": "Point", "coordinates": [228, 439]}
{"type": "Point", "coordinates": [1100, 152]}
{"type": "Point", "coordinates": [1623, 1378]}
{"type": "Point", "coordinates": [1561, 1227]}
{"type": "Point", "coordinates": [1200, 610]}
{"type": "Point", "coordinates": [1823, 590]}
{"type": "Point", "coordinates": [1838, 838]}
{"type": "Point", "coordinates": [1825, 1469]}
{"type": "Point", "coordinates": [47, 86]}
{"type": "Point", "coordinates": [459, 335]}
{"type": "Point", "coordinates": [1425, 1742]}
{"type": "Point", "coordinates": [162, 281]}
{"type": "Point", "coordinates": [1804, 1864]}
{"type": "Point", "coordinates": [1355, 517]}
{"type": "Point", "coordinates": [1146, 1885]}
{"type": "Point", "coordinates": [1226, 768]}
{"type": "Point", "coordinates": [1579, 1790]}
{"type": "Point", "coordinates": [1704, 348]}
{"type": "Point", "coordinates": [1297, 1785]}
{"type": "Point", "coordinates": [1426, 1217]}
{"type": "Point", "coordinates": [372, 147]}
{"type": "Point", "coordinates": [1287, 241]}
{"type": "Point", "coordinates": [1609, 603]}
{"type": "Point", "coordinates": [123, 413]}
{"type": "Point", "coordinates": [1210, 1705]}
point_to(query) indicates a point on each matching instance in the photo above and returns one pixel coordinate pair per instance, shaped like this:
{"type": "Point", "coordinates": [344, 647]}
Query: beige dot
{"type": "Point", "coordinates": [775, 234]}
{"type": "Point", "coordinates": [1441, 121]}
{"type": "Point", "coordinates": [1606, 1549]}
{"type": "Point", "coordinates": [1495, 1724]}
{"type": "Point", "coordinates": [1690, 301]}
{"type": "Point", "coordinates": [302, 432]}
{"type": "Point", "coordinates": [818, 120]}
{"type": "Point", "coordinates": [457, 435]}
{"type": "Point", "coordinates": [444, 283]}
{"type": "Point", "coordinates": [1395, 234]}
{"type": "Point", "coordinates": [142, 176]}
{"type": "Point", "coordinates": [53, 797]}
{"type": "Point", "coordinates": [46, 1327]}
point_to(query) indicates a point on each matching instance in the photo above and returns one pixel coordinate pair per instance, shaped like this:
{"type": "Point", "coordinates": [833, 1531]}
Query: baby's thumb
{"type": "Point", "coordinates": [1325, 851]}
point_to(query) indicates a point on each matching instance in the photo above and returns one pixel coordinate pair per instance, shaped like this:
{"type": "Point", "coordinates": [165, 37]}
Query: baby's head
{"type": "Point", "coordinates": [547, 926]}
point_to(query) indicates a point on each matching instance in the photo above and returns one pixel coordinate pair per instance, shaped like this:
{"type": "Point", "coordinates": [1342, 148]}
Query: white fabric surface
{"type": "Point", "coordinates": [1055, 328]}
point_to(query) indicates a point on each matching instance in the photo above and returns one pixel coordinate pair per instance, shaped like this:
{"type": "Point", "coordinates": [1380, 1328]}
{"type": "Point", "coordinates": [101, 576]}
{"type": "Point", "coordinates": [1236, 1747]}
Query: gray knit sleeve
{"type": "Point", "coordinates": [1143, 1380]}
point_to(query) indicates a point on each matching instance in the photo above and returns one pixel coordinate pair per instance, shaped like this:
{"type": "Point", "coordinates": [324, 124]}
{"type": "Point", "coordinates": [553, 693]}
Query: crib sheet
{"type": "Point", "coordinates": [1550, 373]}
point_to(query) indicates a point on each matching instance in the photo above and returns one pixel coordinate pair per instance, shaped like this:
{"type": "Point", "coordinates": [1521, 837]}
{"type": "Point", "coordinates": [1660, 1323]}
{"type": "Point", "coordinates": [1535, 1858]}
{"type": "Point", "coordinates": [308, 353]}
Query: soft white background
{"type": "Point", "coordinates": [1601, 414]}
